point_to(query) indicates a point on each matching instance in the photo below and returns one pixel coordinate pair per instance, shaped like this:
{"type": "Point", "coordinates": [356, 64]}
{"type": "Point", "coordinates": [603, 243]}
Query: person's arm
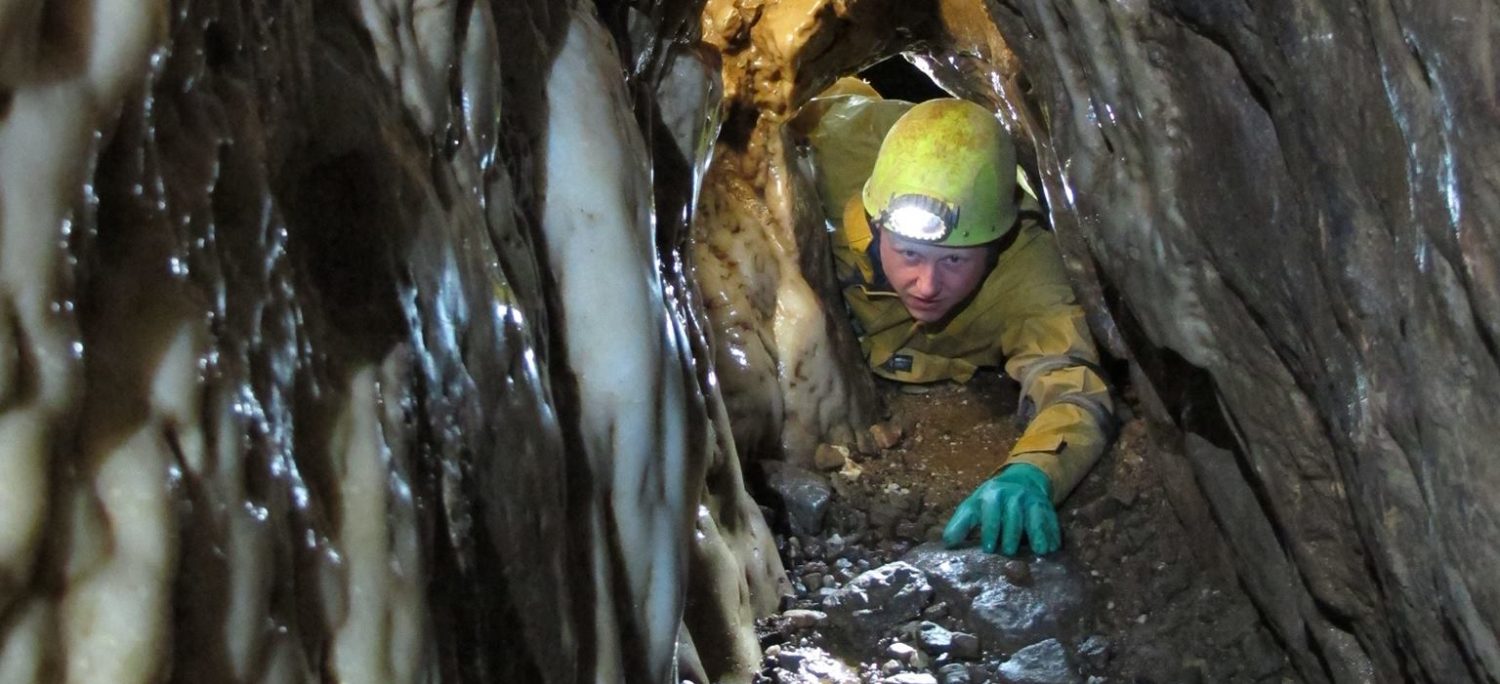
{"type": "Point", "coordinates": [1065, 402]}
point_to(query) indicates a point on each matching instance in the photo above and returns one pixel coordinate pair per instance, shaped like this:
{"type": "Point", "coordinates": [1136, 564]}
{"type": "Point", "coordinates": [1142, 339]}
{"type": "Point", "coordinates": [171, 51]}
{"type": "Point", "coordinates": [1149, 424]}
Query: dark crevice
{"type": "Point", "coordinates": [1316, 648]}
{"type": "Point", "coordinates": [1421, 60]}
{"type": "Point", "coordinates": [1471, 664]}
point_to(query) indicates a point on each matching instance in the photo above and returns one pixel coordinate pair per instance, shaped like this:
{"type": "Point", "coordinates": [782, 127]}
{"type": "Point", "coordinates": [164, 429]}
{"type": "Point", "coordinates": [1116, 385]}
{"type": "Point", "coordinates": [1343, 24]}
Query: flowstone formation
{"type": "Point", "coordinates": [353, 342]}
{"type": "Point", "coordinates": [1283, 216]}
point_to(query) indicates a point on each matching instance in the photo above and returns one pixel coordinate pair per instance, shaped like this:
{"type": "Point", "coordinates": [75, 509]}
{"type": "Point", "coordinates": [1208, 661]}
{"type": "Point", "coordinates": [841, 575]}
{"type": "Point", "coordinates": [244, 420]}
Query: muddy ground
{"type": "Point", "coordinates": [1125, 600]}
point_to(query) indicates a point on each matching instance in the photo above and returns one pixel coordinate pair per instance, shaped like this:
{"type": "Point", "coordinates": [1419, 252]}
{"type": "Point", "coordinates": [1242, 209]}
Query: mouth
{"type": "Point", "coordinates": [925, 307]}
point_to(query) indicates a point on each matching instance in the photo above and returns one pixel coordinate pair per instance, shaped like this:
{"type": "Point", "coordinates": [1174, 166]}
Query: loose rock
{"type": "Point", "coordinates": [830, 456]}
{"type": "Point", "coordinates": [804, 619]}
{"type": "Point", "coordinates": [901, 652]}
{"type": "Point", "coordinates": [912, 678]}
{"type": "Point", "coordinates": [1005, 615]}
{"type": "Point", "coordinates": [879, 599]}
{"type": "Point", "coordinates": [955, 673]}
{"type": "Point", "coordinates": [965, 646]}
{"type": "Point", "coordinates": [886, 435]}
{"type": "Point", "coordinates": [1041, 663]}
{"type": "Point", "coordinates": [802, 493]}
{"type": "Point", "coordinates": [935, 639]}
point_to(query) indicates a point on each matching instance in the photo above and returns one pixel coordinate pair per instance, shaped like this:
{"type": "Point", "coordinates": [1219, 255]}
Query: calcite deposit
{"type": "Point", "coordinates": [353, 342]}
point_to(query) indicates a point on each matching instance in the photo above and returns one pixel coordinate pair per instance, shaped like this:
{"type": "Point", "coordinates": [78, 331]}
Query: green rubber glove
{"type": "Point", "coordinates": [1018, 499]}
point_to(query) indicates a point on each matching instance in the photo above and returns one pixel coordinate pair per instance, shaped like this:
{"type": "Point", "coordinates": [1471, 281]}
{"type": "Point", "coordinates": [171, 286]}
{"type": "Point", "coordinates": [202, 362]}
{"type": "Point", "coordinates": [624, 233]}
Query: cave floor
{"type": "Point", "coordinates": [1124, 601]}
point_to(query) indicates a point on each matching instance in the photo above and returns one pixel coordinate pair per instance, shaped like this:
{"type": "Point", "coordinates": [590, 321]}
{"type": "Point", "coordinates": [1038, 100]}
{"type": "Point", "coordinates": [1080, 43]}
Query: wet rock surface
{"type": "Point", "coordinates": [878, 599]}
{"type": "Point", "coordinates": [1124, 601]}
{"type": "Point", "coordinates": [803, 494]}
{"type": "Point", "coordinates": [1008, 602]}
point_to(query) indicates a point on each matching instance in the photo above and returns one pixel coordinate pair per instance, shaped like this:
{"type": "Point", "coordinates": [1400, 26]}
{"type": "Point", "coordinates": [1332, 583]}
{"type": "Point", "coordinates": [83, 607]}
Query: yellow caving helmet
{"type": "Point", "coordinates": [945, 175]}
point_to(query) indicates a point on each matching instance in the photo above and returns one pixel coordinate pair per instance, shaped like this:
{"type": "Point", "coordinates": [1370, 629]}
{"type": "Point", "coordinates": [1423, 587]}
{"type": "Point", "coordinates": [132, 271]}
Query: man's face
{"type": "Point", "coordinates": [931, 279]}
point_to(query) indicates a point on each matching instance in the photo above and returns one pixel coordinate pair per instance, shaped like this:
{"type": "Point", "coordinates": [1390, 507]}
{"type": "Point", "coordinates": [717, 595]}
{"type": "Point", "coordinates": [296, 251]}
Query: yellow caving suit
{"type": "Point", "coordinates": [1024, 313]}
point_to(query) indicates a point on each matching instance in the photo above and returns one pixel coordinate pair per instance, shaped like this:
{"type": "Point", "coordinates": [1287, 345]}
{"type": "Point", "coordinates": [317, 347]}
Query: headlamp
{"type": "Point", "coordinates": [919, 217]}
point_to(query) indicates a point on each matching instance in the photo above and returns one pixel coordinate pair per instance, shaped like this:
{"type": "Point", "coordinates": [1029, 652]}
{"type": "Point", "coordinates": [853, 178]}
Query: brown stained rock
{"type": "Point", "coordinates": [886, 435]}
{"type": "Point", "coordinates": [830, 457]}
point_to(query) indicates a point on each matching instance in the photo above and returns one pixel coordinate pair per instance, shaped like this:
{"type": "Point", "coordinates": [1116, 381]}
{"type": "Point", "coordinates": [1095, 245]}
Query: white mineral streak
{"type": "Point", "coordinates": [116, 607]}
{"type": "Point", "coordinates": [621, 344]}
{"type": "Point", "coordinates": [414, 45]}
{"type": "Point", "coordinates": [247, 542]}
{"type": "Point", "coordinates": [382, 635]}
{"type": "Point", "coordinates": [687, 93]}
{"type": "Point", "coordinates": [116, 611]}
{"type": "Point", "coordinates": [112, 620]}
{"type": "Point", "coordinates": [480, 76]}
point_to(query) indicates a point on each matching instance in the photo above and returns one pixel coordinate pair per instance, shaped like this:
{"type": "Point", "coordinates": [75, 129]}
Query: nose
{"type": "Point", "coordinates": [926, 285]}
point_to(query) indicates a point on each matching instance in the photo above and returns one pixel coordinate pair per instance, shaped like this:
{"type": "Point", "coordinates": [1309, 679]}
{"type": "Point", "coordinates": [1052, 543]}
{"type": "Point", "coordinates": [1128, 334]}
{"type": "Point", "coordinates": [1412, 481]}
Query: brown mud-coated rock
{"type": "Point", "coordinates": [886, 435]}
{"type": "Point", "coordinates": [830, 456]}
{"type": "Point", "coordinates": [1017, 572]}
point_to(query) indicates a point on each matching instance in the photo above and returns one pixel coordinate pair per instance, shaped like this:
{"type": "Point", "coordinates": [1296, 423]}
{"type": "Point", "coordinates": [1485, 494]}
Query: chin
{"type": "Point", "coordinates": [927, 315]}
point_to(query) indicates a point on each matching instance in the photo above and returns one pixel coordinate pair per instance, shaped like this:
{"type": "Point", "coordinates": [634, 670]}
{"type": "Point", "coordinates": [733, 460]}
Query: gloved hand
{"type": "Point", "coordinates": [1019, 498]}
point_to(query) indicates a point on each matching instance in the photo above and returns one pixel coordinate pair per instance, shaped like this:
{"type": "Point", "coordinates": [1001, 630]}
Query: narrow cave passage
{"type": "Point", "coordinates": [400, 341]}
{"type": "Point", "coordinates": [877, 595]}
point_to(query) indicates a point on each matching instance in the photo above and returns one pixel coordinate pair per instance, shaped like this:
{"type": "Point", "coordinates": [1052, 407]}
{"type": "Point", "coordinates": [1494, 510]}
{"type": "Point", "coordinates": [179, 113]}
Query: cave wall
{"type": "Point", "coordinates": [1283, 215]}
{"type": "Point", "coordinates": [1291, 213]}
{"type": "Point", "coordinates": [353, 341]}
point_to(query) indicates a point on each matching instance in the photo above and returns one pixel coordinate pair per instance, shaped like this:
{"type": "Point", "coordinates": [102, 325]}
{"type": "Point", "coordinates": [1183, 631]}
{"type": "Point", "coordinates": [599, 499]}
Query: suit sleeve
{"type": "Point", "coordinates": [1065, 402]}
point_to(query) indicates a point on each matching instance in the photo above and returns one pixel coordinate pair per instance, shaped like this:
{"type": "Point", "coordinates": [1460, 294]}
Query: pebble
{"type": "Point", "coordinates": [835, 545]}
{"type": "Point", "coordinates": [936, 611]}
{"type": "Point", "coordinates": [886, 435]}
{"type": "Point", "coordinates": [902, 652]}
{"type": "Point", "coordinates": [956, 673]}
{"type": "Point", "coordinates": [1017, 571]}
{"type": "Point", "coordinates": [1095, 650]}
{"type": "Point", "coordinates": [830, 456]}
{"type": "Point", "coordinates": [790, 660]}
{"type": "Point", "coordinates": [935, 639]}
{"type": "Point", "coordinates": [799, 618]}
{"type": "Point", "coordinates": [891, 666]}
{"type": "Point", "coordinates": [912, 678]}
{"type": "Point", "coordinates": [965, 646]}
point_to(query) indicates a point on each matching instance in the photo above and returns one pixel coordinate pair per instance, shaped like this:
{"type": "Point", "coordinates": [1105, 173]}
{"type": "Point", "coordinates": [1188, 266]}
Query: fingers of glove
{"type": "Point", "coordinates": [1014, 522]}
{"type": "Point", "coordinates": [1041, 528]}
{"type": "Point", "coordinates": [991, 516]}
{"type": "Point", "coordinates": [962, 521]}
